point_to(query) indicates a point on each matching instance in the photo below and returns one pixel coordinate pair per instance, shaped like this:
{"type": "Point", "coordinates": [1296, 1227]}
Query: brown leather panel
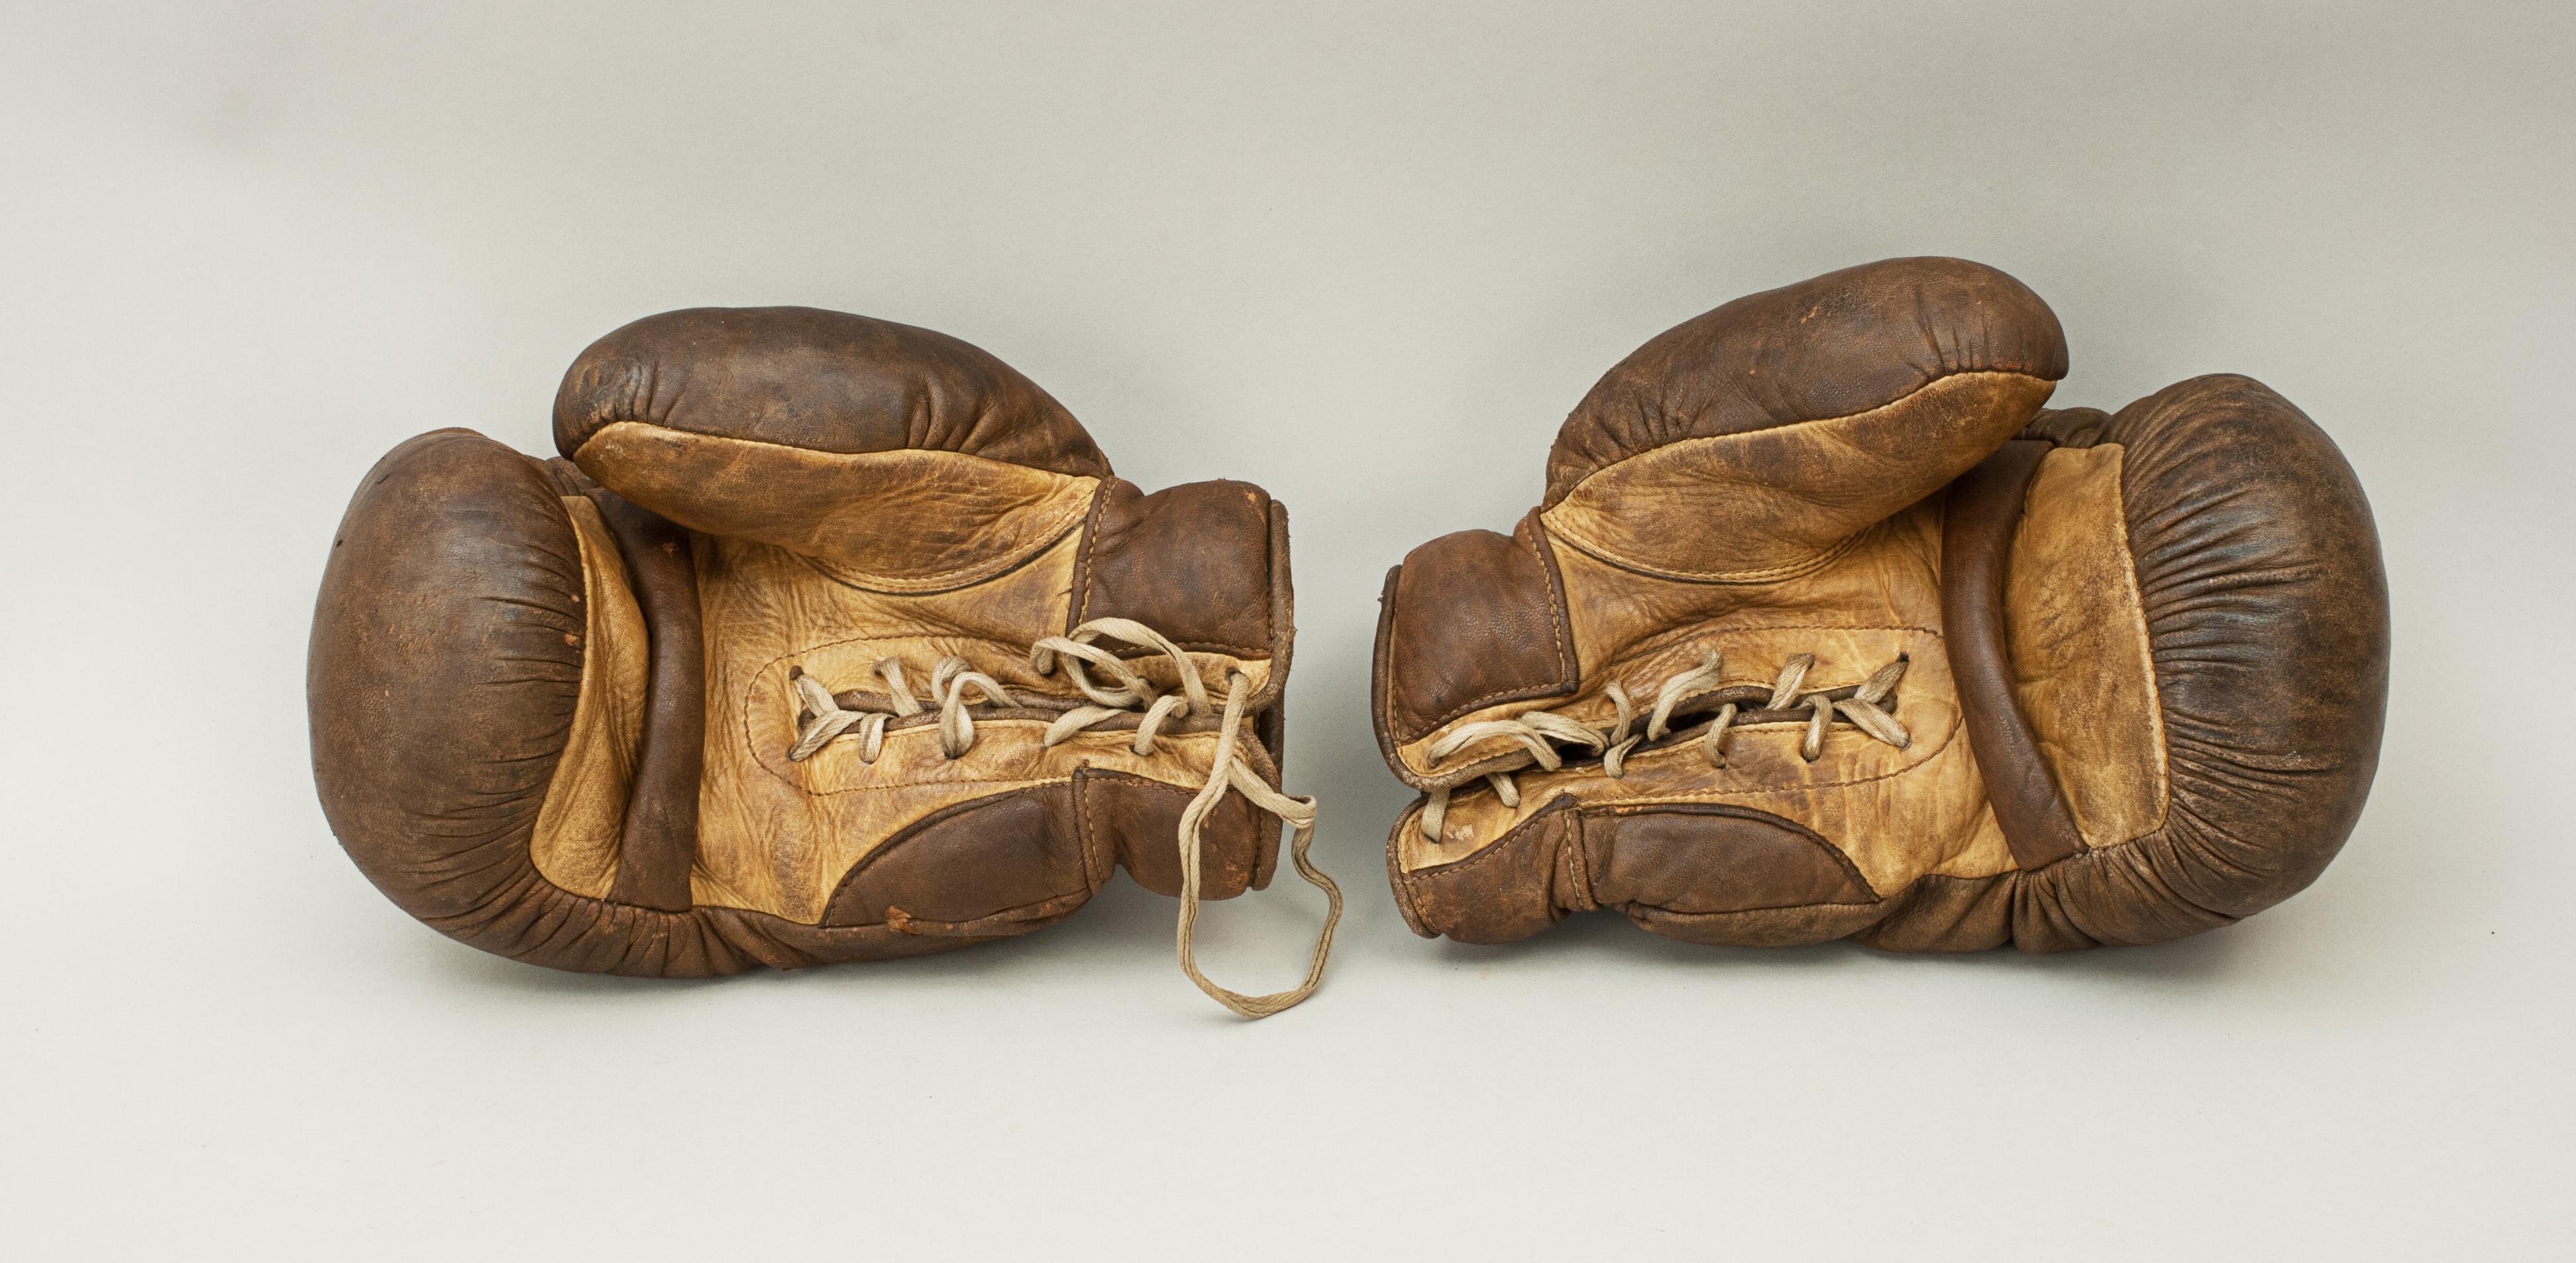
{"type": "Point", "coordinates": [902, 521]}
{"type": "Point", "coordinates": [1710, 857]}
{"type": "Point", "coordinates": [2067, 427]}
{"type": "Point", "coordinates": [1773, 503]}
{"type": "Point", "coordinates": [1269, 703]}
{"type": "Point", "coordinates": [1513, 889]}
{"type": "Point", "coordinates": [2082, 672]}
{"type": "Point", "coordinates": [1975, 541]}
{"type": "Point", "coordinates": [581, 827]}
{"type": "Point", "coordinates": [1950, 914]}
{"type": "Point", "coordinates": [821, 380]}
{"type": "Point", "coordinates": [2267, 612]}
{"type": "Point", "coordinates": [443, 674]}
{"type": "Point", "coordinates": [1189, 561]}
{"type": "Point", "coordinates": [1137, 822]}
{"type": "Point", "coordinates": [1761, 927]}
{"type": "Point", "coordinates": [660, 839]}
{"type": "Point", "coordinates": [1471, 620]}
{"type": "Point", "coordinates": [1838, 344]}
{"type": "Point", "coordinates": [970, 862]}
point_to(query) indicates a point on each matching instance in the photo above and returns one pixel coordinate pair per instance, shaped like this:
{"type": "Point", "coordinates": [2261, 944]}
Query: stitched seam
{"type": "Point", "coordinates": [1663, 640]}
{"type": "Point", "coordinates": [1580, 862]}
{"type": "Point", "coordinates": [1495, 847]}
{"type": "Point", "coordinates": [1737, 912]}
{"type": "Point", "coordinates": [2146, 651]}
{"type": "Point", "coordinates": [1728, 811]}
{"type": "Point", "coordinates": [1556, 603]}
{"type": "Point", "coordinates": [1809, 421]}
{"type": "Point", "coordinates": [1083, 558]}
{"type": "Point", "coordinates": [1720, 795]}
{"type": "Point", "coordinates": [1042, 780]}
{"type": "Point", "coordinates": [1768, 574]}
{"type": "Point", "coordinates": [646, 423]}
{"type": "Point", "coordinates": [962, 576]}
{"type": "Point", "coordinates": [1085, 830]}
{"type": "Point", "coordinates": [1053, 534]}
{"type": "Point", "coordinates": [1565, 660]}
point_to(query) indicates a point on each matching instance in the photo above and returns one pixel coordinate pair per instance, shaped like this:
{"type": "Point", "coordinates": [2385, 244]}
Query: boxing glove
{"type": "Point", "coordinates": [832, 639]}
{"type": "Point", "coordinates": [1827, 627]}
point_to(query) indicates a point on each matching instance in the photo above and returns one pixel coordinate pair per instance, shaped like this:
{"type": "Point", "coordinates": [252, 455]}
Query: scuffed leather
{"type": "Point", "coordinates": [1472, 619]}
{"type": "Point", "coordinates": [1837, 345]}
{"type": "Point", "coordinates": [2184, 608]}
{"type": "Point", "coordinates": [782, 490]}
{"type": "Point", "coordinates": [2083, 664]}
{"type": "Point", "coordinates": [819, 381]}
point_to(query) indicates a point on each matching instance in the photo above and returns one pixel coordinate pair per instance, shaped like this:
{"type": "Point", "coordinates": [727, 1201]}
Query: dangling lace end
{"type": "Point", "coordinates": [1226, 771]}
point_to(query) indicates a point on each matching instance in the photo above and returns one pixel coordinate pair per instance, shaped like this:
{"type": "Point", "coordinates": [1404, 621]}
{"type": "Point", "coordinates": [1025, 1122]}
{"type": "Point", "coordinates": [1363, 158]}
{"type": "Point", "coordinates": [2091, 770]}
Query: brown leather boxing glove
{"type": "Point", "coordinates": [834, 639]}
{"type": "Point", "coordinates": [1826, 628]}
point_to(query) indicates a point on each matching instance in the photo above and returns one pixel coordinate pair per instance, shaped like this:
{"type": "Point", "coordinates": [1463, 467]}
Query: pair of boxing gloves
{"type": "Point", "coordinates": [832, 639]}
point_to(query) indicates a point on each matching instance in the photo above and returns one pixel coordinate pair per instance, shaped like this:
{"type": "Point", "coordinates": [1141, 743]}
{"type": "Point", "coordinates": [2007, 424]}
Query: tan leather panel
{"type": "Point", "coordinates": [1767, 504]}
{"type": "Point", "coordinates": [896, 521]}
{"type": "Point", "coordinates": [1642, 630]}
{"type": "Point", "coordinates": [2082, 668]}
{"type": "Point", "coordinates": [776, 836]}
{"type": "Point", "coordinates": [575, 844]}
{"type": "Point", "coordinates": [1896, 813]}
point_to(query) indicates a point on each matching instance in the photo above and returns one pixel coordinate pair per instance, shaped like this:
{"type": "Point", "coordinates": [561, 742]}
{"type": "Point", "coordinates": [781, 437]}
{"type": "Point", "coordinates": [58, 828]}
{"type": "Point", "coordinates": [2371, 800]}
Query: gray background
{"type": "Point", "coordinates": [1367, 256]}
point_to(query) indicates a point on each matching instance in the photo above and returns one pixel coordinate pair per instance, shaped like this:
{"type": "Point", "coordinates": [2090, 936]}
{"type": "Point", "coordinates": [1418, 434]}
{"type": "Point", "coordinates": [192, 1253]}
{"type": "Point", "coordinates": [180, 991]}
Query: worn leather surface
{"type": "Point", "coordinates": [2145, 652]}
{"type": "Point", "coordinates": [552, 703]}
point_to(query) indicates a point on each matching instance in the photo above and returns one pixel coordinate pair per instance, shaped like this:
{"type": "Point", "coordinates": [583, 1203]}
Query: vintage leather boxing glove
{"type": "Point", "coordinates": [834, 639]}
{"type": "Point", "coordinates": [1825, 628]}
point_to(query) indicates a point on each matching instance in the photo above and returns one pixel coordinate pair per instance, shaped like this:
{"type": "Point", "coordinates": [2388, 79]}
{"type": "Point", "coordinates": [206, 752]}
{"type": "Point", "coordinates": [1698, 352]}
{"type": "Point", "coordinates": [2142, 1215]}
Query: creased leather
{"type": "Point", "coordinates": [592, 661]}
{"type": "Point", "coordinates": [818, 381]}
{"type": "Point", "coordinates": [1837, 345]}
{"type": "Point", "coordinates": [1480, 619]}
{"type": "Point", "coordinates": [1983, 510]}
{"type": "Point", "coordinates": [1190, 562]}
{"type": "Point", "coordinates": [581, 820]}
{"type": "Point", "coordinates": [657, 846]}
{"type": "Point", "coordinates": [2181, 605]}
{"type": "Point", "coordinates": [2083, 669]}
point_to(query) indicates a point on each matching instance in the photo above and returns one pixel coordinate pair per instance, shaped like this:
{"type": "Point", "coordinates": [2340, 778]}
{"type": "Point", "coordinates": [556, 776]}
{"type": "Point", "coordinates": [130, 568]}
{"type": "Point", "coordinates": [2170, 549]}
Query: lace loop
{"type": "Point", "coordinates": [821, 719]}
{"type": "Point", "coordinates": [1539, 733]}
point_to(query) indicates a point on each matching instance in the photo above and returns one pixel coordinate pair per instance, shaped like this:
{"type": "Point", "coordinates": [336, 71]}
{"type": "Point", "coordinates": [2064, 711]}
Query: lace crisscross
{"type": "Point", "coordinates": [1540, 733]}
{"type": "Point", "coordinates": [1113, 689]}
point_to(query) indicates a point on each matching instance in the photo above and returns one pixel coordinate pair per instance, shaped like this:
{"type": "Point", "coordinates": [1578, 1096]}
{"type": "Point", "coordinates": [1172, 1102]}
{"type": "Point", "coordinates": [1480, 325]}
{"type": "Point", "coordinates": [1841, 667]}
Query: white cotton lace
{"type": "Point", "coordinates": [822, 718]}
{"type": "Point", "coordinates": [1540, 733]}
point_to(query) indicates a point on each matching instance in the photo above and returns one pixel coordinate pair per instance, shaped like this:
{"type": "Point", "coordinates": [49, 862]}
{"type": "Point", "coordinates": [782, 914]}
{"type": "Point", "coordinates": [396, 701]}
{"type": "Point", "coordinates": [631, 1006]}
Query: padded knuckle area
{"type": "Point", "coordinates": [2266, 607]}
{"type": "Point", "coordinates": [1192, 561]}
{"type": "Point", "coordinates": [1471, 619]}
{"type": "Point", "coordinates": [445, 665]}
